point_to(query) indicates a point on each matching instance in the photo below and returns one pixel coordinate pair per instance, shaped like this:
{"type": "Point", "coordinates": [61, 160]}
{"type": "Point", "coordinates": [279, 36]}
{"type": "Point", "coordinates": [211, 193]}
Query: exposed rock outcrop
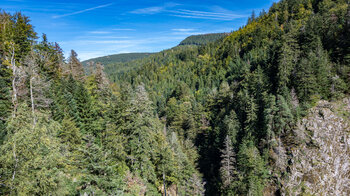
{"type": "Point", "coordinates": [319, 162]}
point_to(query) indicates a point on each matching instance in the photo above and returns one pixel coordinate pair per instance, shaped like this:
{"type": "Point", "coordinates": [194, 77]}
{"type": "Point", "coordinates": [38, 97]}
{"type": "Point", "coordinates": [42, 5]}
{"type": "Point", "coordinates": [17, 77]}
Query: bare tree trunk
{"type": "Point", "coordinates": [32, 100]}
{"type": "Point", "coordinates": [14, 89]}
{"type": "Point", "coordinates": [228, 164]}
{"type": "Point", "coordinates": [16, 161]}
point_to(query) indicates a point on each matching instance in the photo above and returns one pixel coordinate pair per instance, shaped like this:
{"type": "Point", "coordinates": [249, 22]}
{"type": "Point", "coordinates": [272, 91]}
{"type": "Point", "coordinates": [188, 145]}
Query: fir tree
{"type": "Point", "coordinates": [75, 66]}
{"type": "Point", "coordinates": [228, 162]}
{"type": "Point", "coordinates": [36, 148]}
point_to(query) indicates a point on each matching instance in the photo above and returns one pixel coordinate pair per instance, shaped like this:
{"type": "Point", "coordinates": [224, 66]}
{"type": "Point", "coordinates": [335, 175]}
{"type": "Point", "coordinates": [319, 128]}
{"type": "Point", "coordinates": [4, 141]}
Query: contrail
{"type": "Point", "coordinates": [82, 11]}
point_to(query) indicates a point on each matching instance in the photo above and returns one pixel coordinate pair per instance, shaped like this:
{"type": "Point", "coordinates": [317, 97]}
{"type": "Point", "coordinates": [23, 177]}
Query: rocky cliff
{"type": "Point", "coordinates": [318, 152]}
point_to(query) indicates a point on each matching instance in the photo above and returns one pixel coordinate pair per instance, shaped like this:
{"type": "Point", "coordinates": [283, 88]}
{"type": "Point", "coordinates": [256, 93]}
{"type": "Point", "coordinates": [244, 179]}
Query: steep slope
{"type": "Point", "coordinates": [237, 115]}
{"type": "Point", "coordinates": [320, 155]}
{"type": "Point", "coordinates": [252, 86]}
{"type": "Point", "coordinates": [65, 133]}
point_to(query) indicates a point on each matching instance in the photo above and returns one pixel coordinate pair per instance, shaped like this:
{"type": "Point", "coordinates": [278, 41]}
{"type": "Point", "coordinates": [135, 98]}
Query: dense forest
{"type": "Point", "coordinates": [117, 58]}
{"type": "Point", "coordinates": [202, 39]}
{"type": "Point", "coordinates": [206, 119]}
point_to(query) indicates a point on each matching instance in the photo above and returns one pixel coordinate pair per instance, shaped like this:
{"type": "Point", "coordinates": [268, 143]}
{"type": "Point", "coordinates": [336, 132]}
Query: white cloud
{"type": "Point", "coordinates": [148, 10]}
{"type": "Point", "coordinates": [183, 13]}
{"type": "Point", "coordinates": [82, 11]}
{"type": "Point", "coordinates": [90, 48]}
{"type": "Point", "coordinates": [155, 9]}
{"type": "Point", "coordinates": [218, 14]}
{"type": "Point", "coordinates": [102, 37]}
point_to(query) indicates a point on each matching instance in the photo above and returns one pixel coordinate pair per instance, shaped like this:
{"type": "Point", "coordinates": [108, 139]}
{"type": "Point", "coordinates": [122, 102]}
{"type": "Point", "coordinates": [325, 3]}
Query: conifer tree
{"type": "Point", "coordinates": [101, 174]}
{"type": "Point", "coordinates": [70, 134]}
{"type": "Point", "coordinates": [142, 130]}
{"type": "Point", "coordinates": [269, 119]}
{"type": "Point", "coordinates": [36, 148]}
{"type": "Point", "coordinates": [5, 99]}
{"type": "Point", "coordinates": [232, 126]}
{"type": "Point", "coordinates": [75, 66]}
{"type": "Point", "coordinates": [227, 163]}
{"type": "Point", "coordinates": [283, 117]}
{"type": "Point", "coordinates": [287, 60]}
{"type": "Point", "coordinates": [253, 169]}
{"type": "Point", "coordinates": [101, 77]}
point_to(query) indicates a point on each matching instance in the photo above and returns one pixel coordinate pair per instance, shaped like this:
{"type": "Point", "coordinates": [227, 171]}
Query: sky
{"type": "Point", "coordinates": [104, 27]}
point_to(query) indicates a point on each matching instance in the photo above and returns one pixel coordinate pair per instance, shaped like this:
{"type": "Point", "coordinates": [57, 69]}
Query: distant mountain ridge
{"type": "Point", "coordinates": [117, 58]}
{"type": "Point", "coordinates": [203, 38]}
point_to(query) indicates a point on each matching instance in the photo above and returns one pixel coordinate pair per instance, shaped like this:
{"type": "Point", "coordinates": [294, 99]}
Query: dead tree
{"type": "Point", "coordinates": [227, 163]}
{"type": "Point", "coordinates": [38, 86]}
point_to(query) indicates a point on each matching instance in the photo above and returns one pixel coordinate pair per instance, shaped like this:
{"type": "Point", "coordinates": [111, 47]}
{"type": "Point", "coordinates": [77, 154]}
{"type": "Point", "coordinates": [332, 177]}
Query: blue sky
{"type": "Point", "coordinates": [98, 28]}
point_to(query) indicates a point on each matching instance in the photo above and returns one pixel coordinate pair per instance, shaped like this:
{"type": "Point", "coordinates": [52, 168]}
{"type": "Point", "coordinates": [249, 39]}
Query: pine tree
{"type": "Point", "coordinates": [253, 169]}
{"type": "Point", "coordinates": [101, 174]}
{"type": "Point", "coordinates": [228, 162]}
{"type": "Point", "coordinates": [307, 81]}
{"type": "Point", "coordinates": [101, 77]}
{"type": "Point", "coordinates": [232, 126]}
{"type": "Point", "coordinates": [70, 134]}
{"type": "Point", "coordinates": [38, 87]}
{"type": "Point", "coordinates": [283, 117]}
{"type": "Point", "coordinates": [115, 143]}
{"type": "Point", "coordinates": [251, 114]}
{"type": "Point", "coordinates": [5, 99]}
{"type": "Point", "coordinates": [142, 129]}
{"type": "Point", "coordinates": [36, 148]}
{"type": "Point", "coordinates": [269, 119]}
{"type": "Point", "coordinates": [75, 66]}
{"type": "Point", "coordinates": [287, 60]}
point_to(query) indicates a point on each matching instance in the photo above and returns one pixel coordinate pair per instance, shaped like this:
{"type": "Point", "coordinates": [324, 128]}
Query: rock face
{"type": "Point", "coordinates": [319, 156]}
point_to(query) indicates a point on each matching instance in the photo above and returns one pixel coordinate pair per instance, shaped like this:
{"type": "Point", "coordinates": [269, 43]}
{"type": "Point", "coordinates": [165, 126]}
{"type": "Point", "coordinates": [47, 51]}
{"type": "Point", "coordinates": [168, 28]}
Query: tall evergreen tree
{"type": "Point", "coordinates": [228, 162]}
{"type": "Point", "coordinates": [75, 67]}
{"type": "Point", "coordinates": [32, 160]}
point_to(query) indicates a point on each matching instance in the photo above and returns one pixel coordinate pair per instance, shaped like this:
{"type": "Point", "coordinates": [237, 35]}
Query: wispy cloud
{"type": "Point", "coordinates": [82, 11]}
{"type": "Point", "coordinates": [184, 31]}
{"type": "Point", "coordinates": [155, 9]}
{"type": "Point", "coordinates": [205, 15]}
{"type": "Point", "coordinates": [103, 37]}
{"type": "Point", "coordinates": [218, 14]}
{"type": "Point", "coordinates": [148, 10]}
{"type": "Point", "coordinates": [90, 48]}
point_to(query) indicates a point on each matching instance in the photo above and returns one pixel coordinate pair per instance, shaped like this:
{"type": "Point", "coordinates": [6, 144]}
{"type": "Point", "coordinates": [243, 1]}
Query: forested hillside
{"type": "Point", "coordinates": [202, 39]}
{"type": "Point", "coordinates": [114, 64]}
{"type": "Point", "coordinates": [221, 118]}
{"type": "Point", "coordinates": [117, 58]}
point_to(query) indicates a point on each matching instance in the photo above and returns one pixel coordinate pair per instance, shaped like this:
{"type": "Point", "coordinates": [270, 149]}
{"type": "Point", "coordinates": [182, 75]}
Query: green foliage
{"type": "Point", "coordinates": [32, 159]}
{"type": "Point", "coordinates": [117, 58]}
{"type": "Point", "coordinates": [173, 118]}
{"type": "Point", "coordinates": [283, 117]}
{"type": "Point", "coordinates": [202, 39]}
{"type": "Point", "coordinates": [232, 126]}
{"type": "Point", "coordinates": [16, 34]}
{"type": "Point", "coordinates": [101, 174]}
{"type": "Point", "coordinates": [69, 133]}
{"type": "Point", "coordinates": [252, 168]}
{"type": "Point", "coordinates": [5, 99]}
